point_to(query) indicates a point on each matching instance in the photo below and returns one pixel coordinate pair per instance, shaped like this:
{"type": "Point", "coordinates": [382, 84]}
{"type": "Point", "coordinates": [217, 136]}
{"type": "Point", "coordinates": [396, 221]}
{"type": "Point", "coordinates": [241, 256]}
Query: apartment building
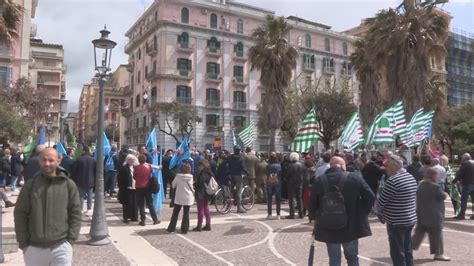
{"type": "Point", "coordinates": [195, 52]}
{"type": "Point", "coordinates": [115, 107]}
{"type": "Point", "coordinates": [460, 66]}
{"type": "Point", "coordinates": [47, 72]}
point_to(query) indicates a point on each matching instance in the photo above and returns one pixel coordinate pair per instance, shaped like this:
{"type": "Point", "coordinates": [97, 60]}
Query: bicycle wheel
{"type": "Point", "coordinates": [248, 198]}
{"type": "Point", "coordinates": [221, 202]}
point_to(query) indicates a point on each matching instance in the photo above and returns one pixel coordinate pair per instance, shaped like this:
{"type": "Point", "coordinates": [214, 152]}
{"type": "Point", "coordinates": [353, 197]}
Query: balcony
{"type": "Point", "coordinates": [240, 105]}
{"type": "Point", "coordinates": [328, 70]}
{"type": "Point", "coordinates": [239, 81]}
{"type": "Point", "coordinates": [42, 81]}
{"type": "Point", "coordinates": [151, 75]}
{"type": "Point", "coordinates": [213, 77]}
{"type": "Point", "coordinates": [184, 48]}
{"type": "Point", "coordinates": [239, 56]}
{"type": "Point", "coordinates": [130, 67]}
{"type": "Point", "coordinates": [346, 72]}
{"type": "Point", "coordinates": [213, 129]}
{"type": "Point", "coordinates": [170, 73]}
{"type": "Point", "coordinates": [309, 67]}
{"type": "Point", "coordinates": [214, 52]}
{"type": "Point", "coordinates": [152, 50]}
{"type": "Point", "coordinates": [127, 90]}
{"type": "Point", "coordinates": [5, 54]}
{"type": "Point", "coordinates": [213, 103]}
{"type": "Point", "coordinates": [184, 100]}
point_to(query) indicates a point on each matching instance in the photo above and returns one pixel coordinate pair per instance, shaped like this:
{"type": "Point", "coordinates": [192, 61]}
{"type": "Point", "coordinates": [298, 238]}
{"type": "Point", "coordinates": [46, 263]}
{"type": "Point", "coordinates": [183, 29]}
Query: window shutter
{"type": "Point", "coordinates": [208, 68]}
{"type": "Point", "coordinates": [217, 120]}
{"type": "Point", "coordinates": [179, 38]}
{"type": "Point", "coordinates": [218, 95]}
{"type": "Point", "coordinates": [208, 43]}
{"type": "Point", "coordinates": [235, 48]}
{"type": "Point", "coordinates": [218, 45]}
{"type": "Point", "coordinates": [218, 69]}
{"type": "Point", "coordinates": [190, 64]}
{"type": "Point", "coordinates": [177, 63]}
{"type": "Point", "coordinates": [235, 71]}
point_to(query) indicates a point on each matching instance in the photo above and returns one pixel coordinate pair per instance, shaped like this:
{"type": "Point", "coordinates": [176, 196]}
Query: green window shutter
{"type": "Point", "coordinates": [218, 45]}
{"type": "Point", "coordinates": [209, 66]}
{"type": "Point", "coordinates": [218, 93]}
{"type": "Point", "coordinates": [179, 38]}
{"type": "Point", "coordinates": [304, 58]}
{"type": "Point", "coordinates": [190, 64]}
{"type": "Point", "coordinates": [218, 69]}
{"type": "Point", "coordinates": [235, 71]}
{"type": "Point", "coordinates": [177, 63]}
{"type": "Point", "coordinates": [235, 48]}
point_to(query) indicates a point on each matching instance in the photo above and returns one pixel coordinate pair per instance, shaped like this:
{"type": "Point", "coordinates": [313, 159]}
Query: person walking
{"type": "Point", "coordinates": [415, 168]}
{"type": "Point", "coordinates": [442, 177]}
{"type": "Point", "coordinates": [396, 207]}
{"type": "Point", "coordinates": [168, 174]}
{"type": "Point", "coordinates": [236, 170]}
{"type": "Point", "coordinates": [5, 167]}
{"type": "Point", "coordinates": [67, 161]}
{"type": "Point", "coordinates": [32, 165]}
{"type": "Point", "coordinates": [430, 213]}
{"type": "Point", "coordinates": [465, 176]}
{"type": "Point", "coordinates": [343, 230]}
{"type": "Point", "coordinates": [251, 164]}
{"type": "Point", "coordinates": [16, 168]}
{"type": "Point", "coordinates": [294, 174]}
{"type": "Point", "coordinates": [84, 176]}
{"type": "Point", "coordinates": [201, 180]}
{"type": "Point", "coordinates": [142, 175]}
{"type": "Point", "coordinates": [372, 174]}
{"type": "Point", "coordinates": [183, 198]}
{"type": "Point", "coordinates": [111, 167]}
{"type": "Point", "coordinates": [48, 214]}
{"type": "Point", "coordinates": [308, 181]}
{"type": "Point", "coordinates": [274, 179]}
{"type": "Point", "coordinates": [127, 191]}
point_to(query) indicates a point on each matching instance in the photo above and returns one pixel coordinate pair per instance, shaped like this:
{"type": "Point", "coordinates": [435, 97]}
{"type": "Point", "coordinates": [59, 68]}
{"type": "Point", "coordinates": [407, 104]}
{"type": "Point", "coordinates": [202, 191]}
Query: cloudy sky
{"type": "Point", "coordinates": [74, 23]}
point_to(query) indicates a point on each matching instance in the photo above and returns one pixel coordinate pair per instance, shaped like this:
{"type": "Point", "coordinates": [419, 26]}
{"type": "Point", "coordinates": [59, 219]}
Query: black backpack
{"type": "Point", "coordinates": [333, 214]}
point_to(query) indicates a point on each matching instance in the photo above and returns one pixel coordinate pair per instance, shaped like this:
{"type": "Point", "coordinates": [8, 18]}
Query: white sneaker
{"type": "Point", "coordinates": [278, 217]}
{"type": "Point", "coordinates": [269, 217]}
{"type": "Point", "coordinates": [442, 258]}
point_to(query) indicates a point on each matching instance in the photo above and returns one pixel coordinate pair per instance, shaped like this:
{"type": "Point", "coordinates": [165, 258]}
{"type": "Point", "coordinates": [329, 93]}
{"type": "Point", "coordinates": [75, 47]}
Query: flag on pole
{"type": "Point", "coordinates": [181, 153]}
{"type": "Point", "coordinates": [307, 134]}
{"type": "Point", "coordinates": [352, 135]}
{"type": "Point", "coordinates": [28, 149]}
{"type": "Point", "coordinates": [234, 138]}
{"type": "Point", "coordinates": [248, 134]}
{"type": "Point", "coordinates": [381, 131]}
{"type": "Point", "coordinates": [60, 148]}
{"type": "Point", "coordinates": [399, 121]}
{"type": "Point", "coordinates": [152, 148]}
{"type": "Point", "coordinates": [106, 144]}
{"type": "Point", "coordinates": [41, 135]}
{"type": "Point", "coordinates": [420, 127]}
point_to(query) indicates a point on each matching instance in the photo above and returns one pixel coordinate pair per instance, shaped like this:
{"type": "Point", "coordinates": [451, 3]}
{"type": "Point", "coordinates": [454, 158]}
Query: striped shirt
{"type": "Point", "coordinates": [397, 201]}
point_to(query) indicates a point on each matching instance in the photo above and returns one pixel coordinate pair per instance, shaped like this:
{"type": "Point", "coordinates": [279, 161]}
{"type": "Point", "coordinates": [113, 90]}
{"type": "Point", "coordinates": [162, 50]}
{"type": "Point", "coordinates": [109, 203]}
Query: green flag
{"type": "Point", "coordinates": [79, 151]}
{"type": "Point", "coordinates": [28, 149]}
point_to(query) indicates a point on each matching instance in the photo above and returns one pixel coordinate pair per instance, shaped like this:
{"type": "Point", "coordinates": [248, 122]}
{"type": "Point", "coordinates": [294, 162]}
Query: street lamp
{"type": "Point", "coordinates": [49, 128]}
{"type": "Point", "coordinates": [99, 231]}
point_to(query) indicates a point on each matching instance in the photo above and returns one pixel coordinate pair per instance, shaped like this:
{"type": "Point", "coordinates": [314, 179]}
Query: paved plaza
{"type": "Point", "coordinates": [235, 239]}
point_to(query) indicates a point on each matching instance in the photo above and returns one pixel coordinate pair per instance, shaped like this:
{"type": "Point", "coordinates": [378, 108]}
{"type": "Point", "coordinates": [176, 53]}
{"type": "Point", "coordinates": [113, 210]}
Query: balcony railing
{"type": "Point", "coordinates": [184, 47]}
{"type": "Point", "coordinates": [239, 81]}
{"type": "Point", "coordinates": [48, 81]}
{"type": "Point", "coordinates": [185, 100]}
{"type": "Point", "coordinates": [239, 56]}
{"type": "Point", "coordinates": [214, 51]}
{"type": "Point", "coordinates": [346, 72]}
{"type": "Point", "coordinates": [309, 67]}
{"type": "Point", "coordinates": [213, 77]}
{"type": "Point", "coordinates": [328, 70]}
{"type": "Point", "coordinates": [152, 50]}
{"type": "Point", "coordinates": [213, 103]}
{"type": "Point", "coordinates": [240, 105]}
{"type": "Point", "coordinates": [5, 53]}
{"type": "Point", "coordinates": [170, 73]}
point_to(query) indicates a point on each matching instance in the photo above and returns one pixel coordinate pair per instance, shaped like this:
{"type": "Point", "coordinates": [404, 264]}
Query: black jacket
{"type": "Point", "coordinates": [67, 163]}
{"type": "Point", "coordinates": [466, 173]}
{"type": "Point", "coordinates": [372, 174]}
{"type": "Point", "coordinates": [32, 167]}
{"type": "Point", "coordinates": [236, 166]}
{"type": "Point", "coordinates": [358, 198]}
{"type": "Point", "coordinates": [414, 170]}
{"type": "Point", "coordinates": [294, 174]}
{"type": "Point", "coordinates": [17, 166]}
{"type": "Point", "coordinates": [84, 171]}
{"type": "Point", "coordinates": [200, 180]}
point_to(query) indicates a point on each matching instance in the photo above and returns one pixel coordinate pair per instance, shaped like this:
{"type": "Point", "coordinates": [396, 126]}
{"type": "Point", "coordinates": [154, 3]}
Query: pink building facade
{"type": "Point", "coordinates": [195, 52]}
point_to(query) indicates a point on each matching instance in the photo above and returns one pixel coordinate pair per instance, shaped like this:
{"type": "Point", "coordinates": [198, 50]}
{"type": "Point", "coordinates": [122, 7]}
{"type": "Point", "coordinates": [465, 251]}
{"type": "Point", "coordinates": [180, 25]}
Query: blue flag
{"type": "Point", "coordinates": [106, 144]}
{"type": "Point", "coordinates": [181, 154]}
{"type": "Point", "coordinates": [152, 148]}
{"type": "Point", "coordinates": [60, 148]}
{"type": "Point", "coordinates": [41, 135]}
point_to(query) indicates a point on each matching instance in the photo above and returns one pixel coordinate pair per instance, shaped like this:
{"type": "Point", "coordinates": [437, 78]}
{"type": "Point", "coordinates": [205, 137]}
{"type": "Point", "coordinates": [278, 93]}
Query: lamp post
{"type": "Point", "coordinates": [99, 231]}
{"type": "Point", "coordinates": [49, 128]}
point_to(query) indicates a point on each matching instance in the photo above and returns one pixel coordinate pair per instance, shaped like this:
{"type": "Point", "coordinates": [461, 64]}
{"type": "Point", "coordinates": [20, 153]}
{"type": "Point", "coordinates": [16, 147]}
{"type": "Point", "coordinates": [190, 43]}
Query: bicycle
{"type": "Point", "coordinates": [224, 198]}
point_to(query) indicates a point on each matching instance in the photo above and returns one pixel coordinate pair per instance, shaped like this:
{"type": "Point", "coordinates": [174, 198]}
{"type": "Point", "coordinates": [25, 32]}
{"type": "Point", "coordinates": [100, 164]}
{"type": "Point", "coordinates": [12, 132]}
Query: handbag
{"type": "Point", "coordinates": [212, 187]}
{"type": "Point", "coordinates": [154, 186]}
{"type": "Point", "coordinates": [272, 179]}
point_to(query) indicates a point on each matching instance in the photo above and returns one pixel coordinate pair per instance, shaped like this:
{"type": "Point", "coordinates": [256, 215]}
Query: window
{"type": "Point", "coordinates": [239, 100]}
{"type": "Point", "coordinates": [327, 45]}
{"type": "Point", "coordinates": [299, 41]}
{"type": "Point", "coordinates": [307, 40]}
{"type": "Point", "coordinates": [239, 121]}
{"type": "Point", "coordinates": [184, 15]}
{"type": "Point", "coordinates": [137, 101]}
{"type": "Point", "coordinates": [346, 68]}
{"type": "Point", "coordinates": [114, 117]}
{"type": "Point", "coordinates": [212, 121]}
{"type": "Point", "coordinates": [213, 70]}
{"type": "Point", "coordinates": [183, 94]}
{"type": "Point", "coordinates": [183, 39]}
{"type": "Point", "coordinates": [239, 73]}
{"type": "Point", "coordinates": [344, 48]}
{"type": "Point", "coordinates": [309, 61]}
{"type": "Point", "coordinates": [212, 94]}
{"type": "Point", "coordinates": [213, 45]}
{"type": "Point", "coordinates": [240, 26]}
{"type": "Point", "coordinates": [146, 70]}
{"type": "Point", "coordinates": [328, 64]}
{"type": "Point", "coordinates": [144, 121]}
{"type": "Point", "coordinates": [106, 116]}
{"type": "Point", "coordinates": [139, 75]}
{"type": "Point", "coordinates": [144, 100]}
{"type": "Point", "coordinates": [137, 123]}
{"type": "Point", "coordinates": [308, 81]}
{"type": "Point", "coordinates": [154, 95]}
{"type": "Point", "coordinates": [184, 66]}
{"type": "Point", "coordinates": [5, 76]}
{"type": "Point", "coordinates": [154, 66]}
{"type": "Point", "coordinates": [139, 54]}
{"type": "Point", "coordinates": [155, 43]}
{"type": "Point", "coordinates": [213, 21]}
{"type": "Point", "coordinates": [239, 49]}
{"type": "Point", "coordinates": [131, 105]}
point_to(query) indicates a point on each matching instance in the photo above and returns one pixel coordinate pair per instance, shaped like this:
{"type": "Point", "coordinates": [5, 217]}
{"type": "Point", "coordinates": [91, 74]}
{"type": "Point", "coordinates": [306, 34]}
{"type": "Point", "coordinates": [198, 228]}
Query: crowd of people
{"type": "Point", "coordinates": [338, 191]}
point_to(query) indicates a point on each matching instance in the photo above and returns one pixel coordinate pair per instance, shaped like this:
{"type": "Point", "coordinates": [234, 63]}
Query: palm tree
{"type": "Point", "coordinates": [276, 59]}
{"type": "Point", "coordinates": [400, 45]}
{"type": "Point", "coordinates": [10, 18]}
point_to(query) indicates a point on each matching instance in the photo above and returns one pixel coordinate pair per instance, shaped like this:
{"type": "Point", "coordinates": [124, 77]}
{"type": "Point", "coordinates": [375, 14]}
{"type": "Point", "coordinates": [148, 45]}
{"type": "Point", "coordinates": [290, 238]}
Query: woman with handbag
{"type": "Point", "coordinates": [142, 176]}
{"type": "Point", "coordinates": [201, 181]}
{"type": "Point", "coordinates": [184, 197]}
{"type": "Point", "coordinates": [274, 179]}
{"type": "Point", "coordinates": [126, 195]}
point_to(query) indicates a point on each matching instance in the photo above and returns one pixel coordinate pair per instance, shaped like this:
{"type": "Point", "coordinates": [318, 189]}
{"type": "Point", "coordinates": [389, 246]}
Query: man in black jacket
{"type": "Point", "coordinates": [294, 174]}
{"type": "Point", "coordinates": [67, 161]}
{"type": "Point", "coordinates": [236, 167]}
{"type": "Point", "coordinates": [358, 200]}
{"type": "Point", "coordinates": [465, 175]}
{"type": "Point", "coordinates": [415, 168]}
{"type": "Point", "coordinates": [372, 174]}
{"type": "Point", "coordinates": [83, 174]}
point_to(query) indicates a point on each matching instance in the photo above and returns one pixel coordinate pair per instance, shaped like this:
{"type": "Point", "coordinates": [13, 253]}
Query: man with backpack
{"type": "Point", "coordinates": [341, 203]}
{"type": "Point", "coordinates": [111, 166]}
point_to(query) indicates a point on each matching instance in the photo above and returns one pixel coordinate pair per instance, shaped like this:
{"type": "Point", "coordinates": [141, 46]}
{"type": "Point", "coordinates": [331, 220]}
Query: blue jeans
{"type": "Point", "coordinates": [466, 191]}
{"type": "Point", "coordinates": [399, 238]}
{"type": "Point", "coordinates": [13, 180]}
{"type": "Point", "coordinates": [273, 190]}
{"type": "Point", "coordinates": [110, 180]}
{"type": "Point", "coordinates": [82, 192]}
{"type": "Point", "coordinates": [351, 250]}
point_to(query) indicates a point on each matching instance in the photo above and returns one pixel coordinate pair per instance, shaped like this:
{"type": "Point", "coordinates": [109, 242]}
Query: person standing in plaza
{"type": "Point", "coordinates": [127, 191]}
{"type": "Point", "coordinates": [184, 198]}
{"type": "Point", "coordinates": [5, 167]}
{"type": "Point", "coordinates": [465, 176]}
{"type": "Point", "coordinates": [294, 174]}
{"type": "Point", "coordinates": [396, 207]}
{"type": "Point", "coordinates": [33, 166]}
{"type": "Point", "coordinates": [260, 180]}
{"type": "Point", "coordinates": [430, 213]}
{"type": "Point", "coordinates": [324, 165]}
{"type": "Point", "coordinates": [48, 214]}
{"type": "Point", "coordinates": [83, 174]}
{"type": "Point", "coordinates": [441, 176]}
{"type": "Point", "coordinates": [415, 168]}
{"type": "Point", "coordinates": [142, 176]}
{"type": "Point", "coordinates": [353, 224]}
{"type": "Point", "coordinates": [168, 174]}
{"type": "Point", "coordinates": [201, 180]}
{"type": "Point", "coordinates": [111, 166]}
{"type": "Point", "coordinates": [372, 174]}
{"type": "Point", "coordinates": [274, 183]}
{"type": "Point", "coordinates": [307, 183]}
{"type": "Point", "coordinates": [251, 163]}
{"type": "Point", "coordinates": [17, 168]}
{"type": "Point", "coordinates": [236, 170]}
{"type": "Point", "coordinates": [67, 161]}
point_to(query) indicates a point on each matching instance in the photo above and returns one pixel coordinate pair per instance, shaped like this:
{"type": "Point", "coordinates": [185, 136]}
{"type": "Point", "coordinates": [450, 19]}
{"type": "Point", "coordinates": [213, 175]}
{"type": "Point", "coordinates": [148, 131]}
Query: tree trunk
{"type": "Point", "coordinates": [272, 140]}
{"type": "Point", "coordinates": [326, 143]}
